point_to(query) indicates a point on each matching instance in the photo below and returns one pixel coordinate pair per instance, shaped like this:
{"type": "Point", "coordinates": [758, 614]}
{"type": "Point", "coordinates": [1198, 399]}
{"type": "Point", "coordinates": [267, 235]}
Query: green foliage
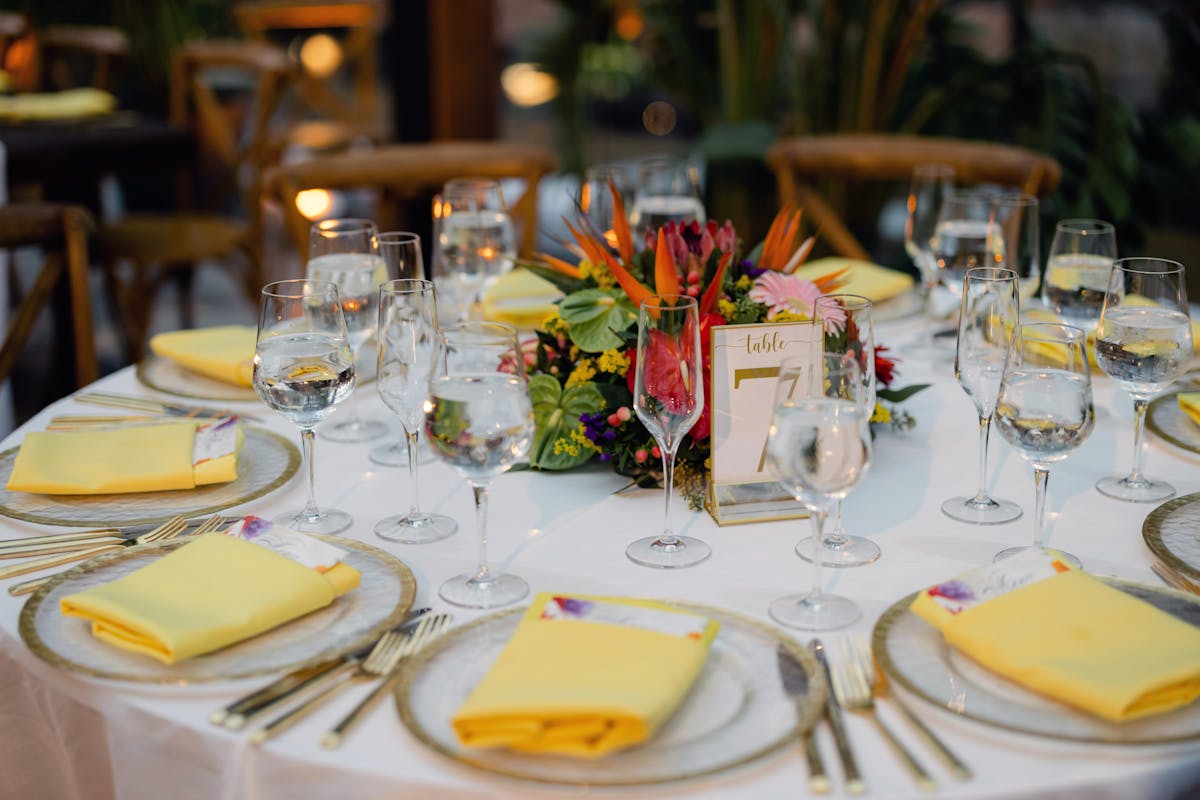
{"type": "Point", "coordinates": [596, 316]}
{"type": "Point", "coordinates": [556, 413]}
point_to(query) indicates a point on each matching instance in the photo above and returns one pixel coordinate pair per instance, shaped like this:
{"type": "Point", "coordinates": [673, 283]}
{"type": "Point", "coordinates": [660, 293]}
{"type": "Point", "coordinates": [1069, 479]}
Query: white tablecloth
{"type": "Point", "coordinates": [66, 736]}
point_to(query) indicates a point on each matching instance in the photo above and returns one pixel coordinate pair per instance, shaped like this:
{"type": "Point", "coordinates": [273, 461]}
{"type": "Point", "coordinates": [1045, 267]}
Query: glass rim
{"type": "Point", "coordinates": [269, 290]}
{"type": "Point", "coordinates": [978, 273]}
{"type": "Point", "coordinates": [1071, 333]}
{"type": "Point", "coordinates": [402, 237]}
{"type": "Point", "coordinates": [684, 301]}
{"type": "Point", "coordinates": [859, 302]}
{"type": "Point", "coordinates": [344, 225]}
{"type": "Point", "coordinates": [1085, 226]}
{"type": "Point", "coordinates": [1126, 265]}
{"type": "Point", "coordinates": [405, 286]}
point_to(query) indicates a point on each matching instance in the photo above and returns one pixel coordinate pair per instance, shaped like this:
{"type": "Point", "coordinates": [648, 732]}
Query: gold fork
{"type": "Point", "coordinates": [168, 530]}
{"type": "Point", "coordinates": [852, 686]}
{"type": "Point", "coordinates": [383, 656]}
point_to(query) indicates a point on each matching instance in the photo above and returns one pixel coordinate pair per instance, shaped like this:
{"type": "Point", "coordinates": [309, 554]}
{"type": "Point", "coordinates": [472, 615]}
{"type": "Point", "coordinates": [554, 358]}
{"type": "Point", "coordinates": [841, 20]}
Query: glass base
{"type": "Point", "coordinates": [1060, 554]}
{"type": "Point", "coordinates": [415, 528]}
{"type": "Point", "coordinates": [1142, 491]}
{"type": "Point", "coordinates": [845, 551]}
{"type": "Point", "coordinates": [499, 590]}
{"type": "Point", "coordinates": [992, 512]}
{"type": "Point", "coordinates": [327, 521]}
{"type": "Point", "coordinates": [353, 430]}
{"type": "Point", "coordinates": [395, 454]}
{"type": "Point", "coordinates": [653, 552]}
{"type": "Point", "coordinates": [822, 612]}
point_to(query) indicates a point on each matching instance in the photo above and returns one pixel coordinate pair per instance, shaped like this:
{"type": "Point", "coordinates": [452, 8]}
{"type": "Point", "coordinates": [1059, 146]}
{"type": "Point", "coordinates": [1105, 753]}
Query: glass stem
{"type": "Point", "coordinates": [836, 537]}
{"type": "Point", "coordinates": [818, 517]}
{"type": "Point", "coordinates": [1041, 477]}
{"type": "Point", "coordinates": [307, 442]}
{"type": "Point", "coordinates": [1139, 425]}
{"type": "Point", "coordinates": [981, 495]}
{"type": "Point", "coordinates": [413, 442]}
{"type": "Point", "coordinates": [483, 573]}
{"type": "Point", "coordinates": [668, 538]}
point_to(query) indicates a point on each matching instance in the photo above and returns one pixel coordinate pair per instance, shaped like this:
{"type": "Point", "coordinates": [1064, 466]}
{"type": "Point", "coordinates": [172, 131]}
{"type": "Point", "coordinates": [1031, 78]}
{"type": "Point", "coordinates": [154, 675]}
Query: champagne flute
{"type": "Point", "coordinates": [667, 191]}
{"type": "Point", "coordinates": [1044, 409]}
{"type": "Point", "coordinates": [401, 252]}
{"type": "Point", "coordinates": [668, 397]}
{"type": "Point", "coordinates": [990, 310]}
{"type": "Point", "coordinates": [1144, 342]}
{"type": "Point", "coordinates": [303, 367]}
{"type": "Point", "coordinates": [819, 446]}
{"type": "Point", "coordinates": [479, 420]}
{"type": "Point", "coordinates": [848, 332]}
{"type": "Point", "coordinates": [407, 334]}
{"type": "Point", "coordinates": [476, 241]}
{"type": "Point", "coordinates": [345, 252]}
{"type": "Point", "coordinates": [1015, 223]}
{"type": "Point", "coordinates": [1076, 278]}
{"type": "Point", "coordinates": [928, 188]}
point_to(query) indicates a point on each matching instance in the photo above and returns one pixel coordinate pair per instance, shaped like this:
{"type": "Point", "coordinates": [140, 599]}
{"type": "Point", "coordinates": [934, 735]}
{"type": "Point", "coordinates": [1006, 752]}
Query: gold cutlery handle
{"type": "Point", "coordinates": [290, 718]}
{"type": "Point", "coordinates": [13, 570]}
{"type": "Point", "coordinates": [833, 713]}
{"type": "Point", "coordinates": [818, 780]}
{"type": "Point", "coordinates": [235, 715]}
{"type": "Point", "coordinates": [55, 538]}
{"type": "Point", "coordinates": [68, 546]}
{"type": "Point", "coordinates": [28, 587]}
{"type": "Point", "coordinates": [925, 781]}
{"type": "Point", "coordinates": [952, 762]}
{"type": "Point", "coordinates": [334, 737]}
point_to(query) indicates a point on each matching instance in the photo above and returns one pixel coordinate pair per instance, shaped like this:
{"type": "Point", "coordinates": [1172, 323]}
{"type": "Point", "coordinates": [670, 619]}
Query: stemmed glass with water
{"type": "Point", "coordinates": [303, 367]}
{"type": "Point", "coordinates": [1144, 342]}
{"type": "Point", "coordinates": [989, 311]}
{"type": "Point", "coordinates": [596, 200]}
{"type": "Point", "coordinates": [1080, 260]}
{"type": "Point", "coordinates": [667, 191]}
{"type": "Point", "coordinates": [1044, 408]}
{"type": "Point", "coordinates": [930, 185]}
{"type": "Point", "coordinates": [668, 397]}
{"type": "Point", "coordinates": [479, 420]}
{"type": "Point", "coordinates": [475, 242]}
{"type": "Point", "coordinates": [819, 447]}
{"type": "Point", "coordinates": [408, 332]}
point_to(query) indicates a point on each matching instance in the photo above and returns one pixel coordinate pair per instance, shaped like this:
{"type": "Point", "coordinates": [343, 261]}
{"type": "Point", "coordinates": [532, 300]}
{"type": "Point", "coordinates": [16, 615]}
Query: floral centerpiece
{"type": "Point", "coordinates": [582, 361]}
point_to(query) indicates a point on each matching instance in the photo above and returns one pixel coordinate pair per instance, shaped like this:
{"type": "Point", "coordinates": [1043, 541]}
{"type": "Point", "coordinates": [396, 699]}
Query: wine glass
{"type": "Point", "coordinates": [407, 335]}
{"type": "Point", "coordinates": [962, 239]}
{"type": "Point", "coordinates": [1076, 278]}
{"type": "Point", "coordinates": [596, 200]}
{"type": "Point", "coordinates": [819, 446]}
{"type": "Point", "coordinates": [345, 252]}
{"type": "Point", "coordinates": [847, 320]}
{"type": "Point", "coordinates": [1015, 223]}
{"type": "Point", "coordinates": [401, 251]}
{"type": "Point", "coordinates": [479, 420]}
{"type": "Point", "coordinates": [475, 239]}
{"type": "Point", "coordinates": [989, 310]}
{"type": "Point", "coordinates": [928, 188]}
{"type": "Point", "coordinates": [1044, 408]}
{"type": "Point", "coordinates": [667, 190]}
{"type": "Point", "coordinates": [1144, 342]}
{"type": "Point", "coordinates": [668, 397]}
{"type": "Point", "coordinates": [303, 367]}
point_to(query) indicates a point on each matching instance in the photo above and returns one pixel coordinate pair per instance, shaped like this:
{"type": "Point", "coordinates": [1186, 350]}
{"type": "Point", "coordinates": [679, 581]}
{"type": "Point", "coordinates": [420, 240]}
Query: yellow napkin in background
{"type": "Point", "coordinates": [872, 281]}
{"type": "Point", "coordinates": [212, 592]}
{"type": "Point", "coordinates": [586, 675]}
{"type": "Point", "coordinates": [1045, 315]}
{"type": "Point", "coordinates": [1189, 403]}
{"type": "Point", "coordinates": [521, 299]}
{"type": "Point", "coordinates": [225, 353]}
{"type": "Point", "coordinates": [69, 104]}
{"type": "Point", "coordinates": [140, 458]}
{"type": "Point", "coordinates": [1070, 637]}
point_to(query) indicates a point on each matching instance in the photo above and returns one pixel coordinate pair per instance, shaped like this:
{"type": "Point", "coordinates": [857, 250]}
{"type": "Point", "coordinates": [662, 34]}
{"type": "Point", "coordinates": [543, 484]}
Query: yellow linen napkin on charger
{"type": "Point", "coordinates": [210, 593]}
{"type": "Point", "coordinates": [872, 281]}
{"type": "Point", "coordinates": [139, 458]}
{"type": "Point", "coordinates": [69, 104]}
{"type": "Point", "coordinates": [521, 299]}
{"type": "Point", "coordinates": [586, 675]}
{"type": "Point", "coordinates": [1189, 403]}
{"type": "Point", "coordinates": [1069, 636]}
{"type": "Point", "coordinates": [225, 353]}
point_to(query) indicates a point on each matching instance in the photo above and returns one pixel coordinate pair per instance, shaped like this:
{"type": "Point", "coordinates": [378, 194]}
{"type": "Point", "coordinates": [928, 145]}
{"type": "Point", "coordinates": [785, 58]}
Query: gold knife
{"type": "Point", "coordinates": [795, 684]}
{"type": "Point", "coordinates": [833, 713]}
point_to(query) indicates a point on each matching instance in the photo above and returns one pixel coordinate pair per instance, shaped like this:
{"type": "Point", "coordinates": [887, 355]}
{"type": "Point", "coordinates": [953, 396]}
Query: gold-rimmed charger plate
{"type": "Point", "coordinates": [914, 655]}
{"type": "Point", "coordinates": [736, 713]}
{"type": "Point", "coordinates": [1172, 532]}
{"type": "Point", "coordinates": [1166, 420]}
{"type": "Point", "coordinates": [350, 622]}
{"type": "Point", "coordinates": [265, 462]}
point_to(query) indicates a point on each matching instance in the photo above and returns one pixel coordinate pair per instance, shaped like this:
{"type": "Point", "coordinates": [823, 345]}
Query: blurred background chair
{"type": "Point", "coordinates": [811, 170]}
{"type": "Point", "coordinates": [81, 55]}
{"type": "Point", "coordinates": [226, 94]}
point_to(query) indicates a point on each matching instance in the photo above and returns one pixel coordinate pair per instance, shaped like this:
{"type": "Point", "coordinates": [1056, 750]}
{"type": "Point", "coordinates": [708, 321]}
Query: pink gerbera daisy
{"type": "Point", "coordinates": [781, 292]}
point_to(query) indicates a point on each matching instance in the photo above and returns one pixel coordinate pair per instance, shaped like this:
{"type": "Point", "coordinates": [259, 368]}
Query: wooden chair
{"type": "Point", "coordinates": [62, 233]}
{"type": "Point", "coordinates": [802, 161]}
{"type": "Point", "coordinates": [219, 216]}
{"type": "Point", "coordinates": [403, 171]}
{"type": "Point", "coordinates": [81, 55]}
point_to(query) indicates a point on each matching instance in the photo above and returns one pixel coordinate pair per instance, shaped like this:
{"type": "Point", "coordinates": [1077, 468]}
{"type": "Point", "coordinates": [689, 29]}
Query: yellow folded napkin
{"type": "Point", "coordinates": [521, 299]}
{"type": "Point", "coordinates": [208, 594]}
{"type": "Point", "coordinates": [1045, 315]}
{"type": "Point", "coordinates": [140, 458]}
{"type": "Point", "coordinates": [225, 353]}
{"type": "Point", "coordinates": [1069, 636]}
{"type": "Point", "coordinates": [1189, 403]}
{"type": "Point", "coordinates": [872, 281]}
{"type": "Point", "coordinates": [586, 675]}
{"type": "Point", "coordinates": [69, 104]}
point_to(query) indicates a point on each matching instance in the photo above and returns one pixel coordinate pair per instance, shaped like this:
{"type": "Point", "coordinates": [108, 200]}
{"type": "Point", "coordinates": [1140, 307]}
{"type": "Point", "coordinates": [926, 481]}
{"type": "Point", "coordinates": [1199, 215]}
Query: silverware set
{"type": "Point", "coordinates": [155, 407]}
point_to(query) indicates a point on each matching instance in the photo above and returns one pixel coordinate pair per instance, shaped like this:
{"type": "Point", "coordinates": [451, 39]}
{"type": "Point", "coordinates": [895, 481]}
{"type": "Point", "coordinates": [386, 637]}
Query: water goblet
{"type": "Point", "coordinates": [1015, 224]}
{"type": "Point", "coordinates": [596, 198]}
{"type": "Point", "coordinates": [1081, 256]}
{"type": "Point", "coordinates": [989, 311]}
{"type": "Point", "coordinates": [407, 335]}
{"type": "Point", "coordinates": [1044, 408]}
{"type": "Point", "coordinates": [667, 191]}
{"type": "Point", "coordinates": [345, 252]}
{"type": "Point", "coordinates": [479, 420]}
{"type": "Point", "coordinates": [1144, 342]}
{"type": "Point", "coordinates": [819, 446]}
{"type": "Point", "coordinates": [963, 237]}
{"type": "Point", "coordinates": [668, 397]}
{"type": "Point", "coordinates": [303, 367]}
{"type": "Point", "coordinates": [475, 242]}
{"type": "Point", "coordinates": [928, 188]}
{"type": "Point", "coordinates": [848, 332]}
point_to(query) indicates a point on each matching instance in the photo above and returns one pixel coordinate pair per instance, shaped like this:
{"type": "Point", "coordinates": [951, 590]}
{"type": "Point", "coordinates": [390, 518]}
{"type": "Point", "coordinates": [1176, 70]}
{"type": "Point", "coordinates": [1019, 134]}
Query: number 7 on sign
{"type": "Point", "coordinates": [752, 373]}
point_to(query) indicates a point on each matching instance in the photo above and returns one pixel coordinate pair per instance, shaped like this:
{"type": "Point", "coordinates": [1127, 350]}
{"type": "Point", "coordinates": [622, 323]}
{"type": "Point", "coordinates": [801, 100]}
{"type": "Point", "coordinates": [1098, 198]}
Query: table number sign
{"type": "Point", "coordinates": [745, 365]}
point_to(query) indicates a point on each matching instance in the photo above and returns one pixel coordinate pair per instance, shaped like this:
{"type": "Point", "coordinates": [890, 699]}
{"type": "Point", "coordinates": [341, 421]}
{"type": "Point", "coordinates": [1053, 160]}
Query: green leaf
{"type": "Point", "coordinates": [900, 395]}
{"type": "Point", "coordinates": [596, 316]}
{"type": "Point", "coordinates": [556, 414]}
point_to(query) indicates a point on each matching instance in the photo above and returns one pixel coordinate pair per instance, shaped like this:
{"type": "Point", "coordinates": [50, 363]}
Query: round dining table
{"type": "Point", "coordinates": [68, 736]}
